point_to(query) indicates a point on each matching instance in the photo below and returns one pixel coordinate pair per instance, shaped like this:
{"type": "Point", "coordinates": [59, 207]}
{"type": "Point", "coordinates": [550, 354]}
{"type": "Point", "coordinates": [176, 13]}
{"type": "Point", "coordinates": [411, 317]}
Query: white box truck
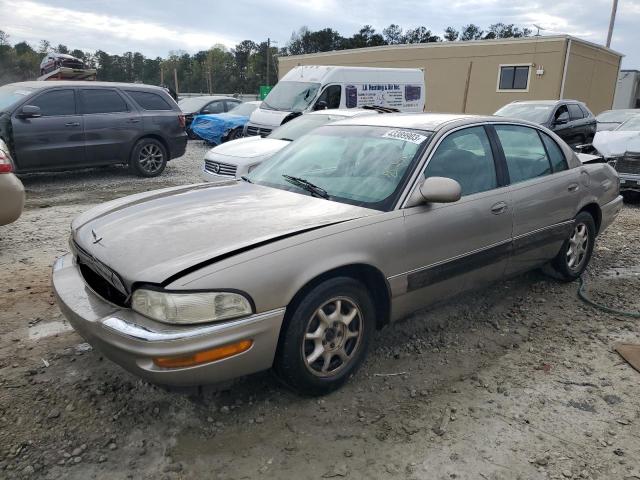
{"type": "Point", "coordinates": [318, 87]}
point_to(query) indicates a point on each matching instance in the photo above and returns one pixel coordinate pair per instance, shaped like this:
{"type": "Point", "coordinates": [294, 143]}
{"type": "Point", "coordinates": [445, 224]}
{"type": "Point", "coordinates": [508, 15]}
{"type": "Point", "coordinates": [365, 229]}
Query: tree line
{"type": "Point", "coordinates": [241, 69]}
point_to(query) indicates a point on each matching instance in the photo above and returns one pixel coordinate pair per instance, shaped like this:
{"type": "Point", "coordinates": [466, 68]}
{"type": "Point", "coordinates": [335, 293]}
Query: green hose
{"type": "Point", "coordinates": [604, 308]}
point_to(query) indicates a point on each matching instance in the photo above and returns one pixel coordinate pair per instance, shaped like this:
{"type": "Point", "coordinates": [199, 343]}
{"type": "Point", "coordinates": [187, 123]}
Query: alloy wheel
{"type": "Point", "coordinates": [151, 158]}
{"type": "Point", "coordinates": [578, 246]}
{"type": "Point", "coordinates": [332, 337]}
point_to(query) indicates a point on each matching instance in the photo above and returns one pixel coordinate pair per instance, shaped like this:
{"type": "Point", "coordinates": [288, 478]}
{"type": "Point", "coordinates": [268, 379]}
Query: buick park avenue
{"type": "Point", "coordinates": [348, 228]}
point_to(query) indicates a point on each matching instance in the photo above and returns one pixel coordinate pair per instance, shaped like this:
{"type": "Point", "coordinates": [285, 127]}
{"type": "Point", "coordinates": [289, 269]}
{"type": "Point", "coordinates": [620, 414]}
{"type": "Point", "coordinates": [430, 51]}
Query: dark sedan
{"type": "Point", "coordinates": [569, 119]}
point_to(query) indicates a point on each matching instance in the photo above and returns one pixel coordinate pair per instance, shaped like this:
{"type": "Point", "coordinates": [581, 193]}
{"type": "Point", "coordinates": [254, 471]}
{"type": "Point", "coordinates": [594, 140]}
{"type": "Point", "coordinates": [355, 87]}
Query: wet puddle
{"type": "Point", "coordinates": [48, 329]}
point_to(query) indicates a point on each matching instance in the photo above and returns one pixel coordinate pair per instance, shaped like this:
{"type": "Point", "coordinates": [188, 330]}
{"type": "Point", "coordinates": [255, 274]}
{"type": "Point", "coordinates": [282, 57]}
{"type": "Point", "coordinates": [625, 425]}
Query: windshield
{"type": "Point", "coordinates": [291, 96]}
{"type": "Point", "coordinates": [10, 94]}
{"type": "Point", "coordinates": [631, 125]}
{"type": "Point", "coordinates": [193, 104]}
{"type": "Point", "coordinates": [301, 125]}
{"type": "Point", "coordinates": [533, 112]}
{"type": "Point", "coordinates": [244, 109]}
{"type": "Point", "coordinates": [360, 165]}
{"type": "Point", "coordinates": [616, 116]}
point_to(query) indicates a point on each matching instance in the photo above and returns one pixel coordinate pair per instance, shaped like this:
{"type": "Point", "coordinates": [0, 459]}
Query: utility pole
{"type": "Point", "coordinates": [268, 62]}
{"type": "Point", "coordinates": [614, 8]}
{"type": "Point", "coordinates": [175, 79]}
{"type": "Point", "coordinates": [161, 76]}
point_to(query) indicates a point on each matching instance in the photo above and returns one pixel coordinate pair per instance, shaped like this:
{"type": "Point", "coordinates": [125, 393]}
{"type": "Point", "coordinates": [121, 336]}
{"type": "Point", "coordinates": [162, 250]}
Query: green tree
{"type": "Point", "coordinates": [393, 34]}
{"type": "Point", "coordinates": [471, 32]}
{"type": "Point", "coordinates": [451, 34]}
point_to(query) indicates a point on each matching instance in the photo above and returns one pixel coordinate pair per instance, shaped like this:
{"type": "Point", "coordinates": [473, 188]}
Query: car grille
{"type": "Point", "coordinates": [252, 131]}
{"type": "Point", "coordinates": [95, 274]}
{"type": "Point", "coordinates": [218, 168]}
{"type": "Point", "coordinates": [629, 164]}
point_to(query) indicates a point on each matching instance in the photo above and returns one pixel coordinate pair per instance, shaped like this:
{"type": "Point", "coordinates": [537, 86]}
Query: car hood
{"type": "Point", "coordinates": [153, 236]}
{"type": "Point", "coordinates": [249, 147]}
{"type": "Point", "coordinates": [617, 142]}
{"type": "Point", "coordinates": [270, 118]}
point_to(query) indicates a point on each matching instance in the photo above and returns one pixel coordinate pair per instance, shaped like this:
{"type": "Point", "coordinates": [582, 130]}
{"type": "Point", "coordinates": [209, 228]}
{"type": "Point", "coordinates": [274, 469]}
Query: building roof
{"type": "Point", "coordinates": [496, 41]}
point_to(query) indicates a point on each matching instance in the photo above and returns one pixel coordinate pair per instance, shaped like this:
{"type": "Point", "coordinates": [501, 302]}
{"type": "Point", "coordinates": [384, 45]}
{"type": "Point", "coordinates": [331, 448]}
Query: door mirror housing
{"type": "Point", "coordinates": [30, 111]}
{"type": "Point", "coordinates": [321, 105]}
{"type": "Point", "coordinates": [436, 190]}
{"type": "Point", "coordinates": [562, 119]}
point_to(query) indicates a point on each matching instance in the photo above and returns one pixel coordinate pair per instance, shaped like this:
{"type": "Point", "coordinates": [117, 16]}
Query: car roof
{"type": "Point", "coordinates": [39, 84]}
{"type": "Point", "coordinates": [420, 121]}
{"type": "Point", "coordinates": [344, 112]}
{"type": "Point", "coordinates": [545, 102]}
{"type": "Point", "coordinates": [212, 97]}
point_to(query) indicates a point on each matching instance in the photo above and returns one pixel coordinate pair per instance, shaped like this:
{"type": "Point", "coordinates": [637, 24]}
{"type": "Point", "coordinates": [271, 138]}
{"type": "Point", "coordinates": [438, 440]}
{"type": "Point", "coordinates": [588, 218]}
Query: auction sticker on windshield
{"type": "Point", "coordinates": [405, 135]}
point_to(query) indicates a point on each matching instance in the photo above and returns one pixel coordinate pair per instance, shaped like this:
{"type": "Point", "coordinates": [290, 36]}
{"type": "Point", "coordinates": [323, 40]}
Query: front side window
{"type": "Point", "coordinates": [524, 152]}
{"type": "Point", "coordinates": [466, 157]}
{"type": "Point", "coordinates": [102, 100]}
{"type": "Point", "coordinates": [55, 103]}
{"type": "Point", "coordinates": [149, 100]}
{"type": "Point", "coordinates": [331, 96]}
{"type": "Point", "coordinates": [575, 112]}
{"type": "Point", "coordinates": [513, 77]}
{"type": "Point", "coordinates": [562, 114]}
{"type": "Point", "coordinates": [291, 96]}
{"type": "Point", "coordinates": [360, 165]}
{"type": "Point", "coordinates": [557, 158]}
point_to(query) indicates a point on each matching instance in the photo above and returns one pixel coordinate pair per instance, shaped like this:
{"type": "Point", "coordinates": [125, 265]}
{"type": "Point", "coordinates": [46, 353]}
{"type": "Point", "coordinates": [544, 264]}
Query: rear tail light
{"type": "Point", "coordinates": [181, 121]}
{"type": "Point", "coordinates": [5, 163]}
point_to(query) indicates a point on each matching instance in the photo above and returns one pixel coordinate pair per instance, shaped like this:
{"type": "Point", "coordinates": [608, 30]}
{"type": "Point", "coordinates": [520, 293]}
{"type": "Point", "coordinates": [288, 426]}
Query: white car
{"type": "Point", "coordinates": [238, 157]}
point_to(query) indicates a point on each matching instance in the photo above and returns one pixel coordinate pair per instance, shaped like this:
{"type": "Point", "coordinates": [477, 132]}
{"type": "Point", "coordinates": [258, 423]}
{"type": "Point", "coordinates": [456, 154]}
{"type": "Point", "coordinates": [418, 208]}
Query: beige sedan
{"type": "Point", "coordinates": [11, 189]}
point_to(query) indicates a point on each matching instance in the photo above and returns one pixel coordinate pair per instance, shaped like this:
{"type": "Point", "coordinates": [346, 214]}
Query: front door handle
{"type": "Point", "coordinates": [72, 124]}
{"type": "Point", "coordinates": [499, 208]}
{"type": "Point", "coordinates": [573, 187]}
{"type": "Point", "coordinates": [134, 120]}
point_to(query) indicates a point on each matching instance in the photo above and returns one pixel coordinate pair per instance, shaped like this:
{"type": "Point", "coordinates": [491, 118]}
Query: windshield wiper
{"type": "Point", "coordinates": [307, 185]}
{"type": "Point", "coordinates": [285, 139]}
{"type": "Point", "coordinates": [246, 179]}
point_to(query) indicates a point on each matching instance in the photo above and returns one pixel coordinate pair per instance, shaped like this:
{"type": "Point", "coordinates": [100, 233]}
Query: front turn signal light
{"type": "Point", "coordinates": [206, 356]}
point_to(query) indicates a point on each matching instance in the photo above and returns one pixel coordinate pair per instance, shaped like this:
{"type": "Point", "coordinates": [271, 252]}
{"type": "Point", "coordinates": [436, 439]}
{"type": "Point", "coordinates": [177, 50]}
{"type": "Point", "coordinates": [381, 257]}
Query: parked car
{"type": "Point", "coordinates": [569, 119]}
{"type": "Point", "coordinates": [205, 104]}
{"type": "Point", "coordinates": [53, 61]}
{"type": "Point", "coordinates": [11, 189]}
{"type": "Point", "coordinates": [621, 148]}
{"type": "Point", "coordinates": [64, 125]}
{"type": "Point", "coordinates": [217, 128]}
{"type": "Point", "coordinates": [612, 119]}
{"type": "Point", "coordinates": [237, 158]}
{"type": "Point", "coordinates": [324, 87]}
{"type": "Point", "coordinates": [352, 226]}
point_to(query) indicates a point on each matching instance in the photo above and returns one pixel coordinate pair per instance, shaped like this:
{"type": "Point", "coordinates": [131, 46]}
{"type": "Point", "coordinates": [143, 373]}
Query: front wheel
{"type": "Point", "coordinates": [148, 157]}
{"type": "Point", "coordinates": [326, 337]}
{"type": "Point", "coordinates": [575, 254]}
{"type": "Point", "coordinates": [235, 134]}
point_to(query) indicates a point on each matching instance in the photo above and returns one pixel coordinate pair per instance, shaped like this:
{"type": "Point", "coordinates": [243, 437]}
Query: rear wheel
{"type": "Point", "coordinates": [326, 337]}
{"type": "Point", "coordinates": [575, 254]}
{"type": "Point", "coordinates": [148, 157]}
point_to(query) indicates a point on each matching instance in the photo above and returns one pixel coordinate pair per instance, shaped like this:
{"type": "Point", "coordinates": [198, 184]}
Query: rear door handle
{"type": "Point", "coordinates": [72, 124]}
{"type": "Point", "coordinates": [573, 187]}
{"type": "Point", "coordinates": [499, 208]}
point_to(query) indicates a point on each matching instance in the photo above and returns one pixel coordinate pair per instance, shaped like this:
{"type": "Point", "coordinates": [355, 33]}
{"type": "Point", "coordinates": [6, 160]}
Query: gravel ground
{"type": "Point", "coordinates": [516, 381]}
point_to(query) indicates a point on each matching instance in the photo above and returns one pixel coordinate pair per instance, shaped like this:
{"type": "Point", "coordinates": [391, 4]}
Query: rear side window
{"type": "Point", "coordinates": [575, 111]}
{"type": "Point", "coordinates": [557, 158]}
{"type": "Point", "coordinates": [587, 113]}
{"type": "Point", "coordinates": [525, 154]}
{"type": "Point", "coordinates": [55, 103]}
{"type": "Point", "coordinates": [102, 100]}
{"type": "Point", "coordinates": [149, 100]}
{"type": "Point", "coordinates": [466, 157]}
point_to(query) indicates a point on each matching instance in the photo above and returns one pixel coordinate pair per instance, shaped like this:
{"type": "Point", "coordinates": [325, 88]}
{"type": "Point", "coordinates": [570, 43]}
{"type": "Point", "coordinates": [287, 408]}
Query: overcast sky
{"type": "Point", "coordinates": [154, 27]}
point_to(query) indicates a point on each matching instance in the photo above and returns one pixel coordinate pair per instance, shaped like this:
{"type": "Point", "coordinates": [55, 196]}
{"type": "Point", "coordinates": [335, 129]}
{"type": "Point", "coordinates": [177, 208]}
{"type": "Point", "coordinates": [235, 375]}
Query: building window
{"type": "Point", "coordinates": [513, 77]}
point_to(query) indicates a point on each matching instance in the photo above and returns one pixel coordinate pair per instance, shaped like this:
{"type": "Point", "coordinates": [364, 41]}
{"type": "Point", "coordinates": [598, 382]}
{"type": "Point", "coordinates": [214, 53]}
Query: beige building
{"type": "Point", "coordinates": [481, 76]}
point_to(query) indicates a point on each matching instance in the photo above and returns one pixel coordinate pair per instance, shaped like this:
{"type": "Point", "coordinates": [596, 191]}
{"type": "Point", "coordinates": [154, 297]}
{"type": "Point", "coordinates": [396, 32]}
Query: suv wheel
{"type": "Point", "coordinates": [148, 157]}
{"type": "Point", "coordinates": [326, 337]}
{"type": "Point", "coordinates": [576, 251]}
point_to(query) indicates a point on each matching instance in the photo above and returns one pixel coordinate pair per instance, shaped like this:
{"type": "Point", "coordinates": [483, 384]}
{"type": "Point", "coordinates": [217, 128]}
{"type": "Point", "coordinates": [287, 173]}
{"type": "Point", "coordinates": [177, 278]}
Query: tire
{"type": "Point", "coordinates": [234, 134]}
{"type": "Point", "coordinates": [148, 157]}
{"type": "Point", "coordinates": [321, 364]}
{"type": "Point", "coordinates": [191, 135]}
{"type": "Point", "coordinates": [575, 254]}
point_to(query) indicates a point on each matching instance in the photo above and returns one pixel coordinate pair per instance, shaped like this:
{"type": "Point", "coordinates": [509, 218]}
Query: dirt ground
{"type": "Point", "coordinates": [516, 381]}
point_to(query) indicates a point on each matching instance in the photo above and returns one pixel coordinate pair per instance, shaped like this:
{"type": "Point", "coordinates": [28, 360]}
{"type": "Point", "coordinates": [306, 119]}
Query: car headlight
{"type": "Point", "coordinates": [193, 307]}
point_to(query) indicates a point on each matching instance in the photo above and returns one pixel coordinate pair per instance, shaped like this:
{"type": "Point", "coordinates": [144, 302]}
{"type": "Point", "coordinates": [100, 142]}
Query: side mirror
{"type": "Point", "coordinates": [436, 190]}
{"type": "Point", "coordinates": [205, 111]}
{"type": "Point", "coordinates": [562, 119]}
{"type": "Point", "coordinates": [321, 105]}
{"type": "Point", "coordinates": [30, 111]}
